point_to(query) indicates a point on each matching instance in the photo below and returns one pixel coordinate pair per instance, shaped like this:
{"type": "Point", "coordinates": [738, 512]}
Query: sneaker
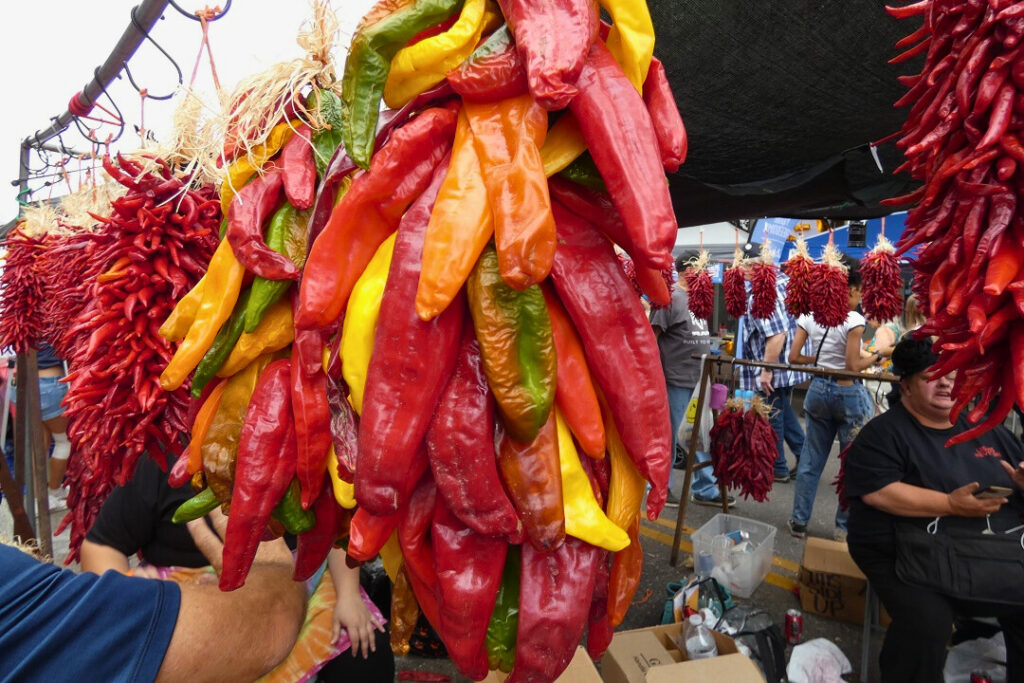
{"type": "Point", "coordinates": [713, 501]}
{"type": "Point", "coordinates": [784, 478]}
{"type": "Point", "coordinates": [672, 500]}
{"type": "Point", "coordinates": [839, 535]}
{"type": "Point", "coordinates": [797, 530]}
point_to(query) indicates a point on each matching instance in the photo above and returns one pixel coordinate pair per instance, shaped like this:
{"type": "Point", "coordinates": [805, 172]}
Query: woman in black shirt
{"type": "Point", "coordinates": [900, 470]}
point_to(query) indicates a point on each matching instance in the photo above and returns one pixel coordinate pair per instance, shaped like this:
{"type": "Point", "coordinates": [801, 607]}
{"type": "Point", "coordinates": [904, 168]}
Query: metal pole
{"type": "Point", "coordinates": [144, 17]}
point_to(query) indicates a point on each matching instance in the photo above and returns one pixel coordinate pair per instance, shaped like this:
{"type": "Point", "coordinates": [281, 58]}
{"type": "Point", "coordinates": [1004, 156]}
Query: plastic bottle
{"type": "Point", "coordinates": [697, 639]}
{"type": "Point", "coordinates": [748, 399]}
{"type": "Point", "coordinates": [738, 394]}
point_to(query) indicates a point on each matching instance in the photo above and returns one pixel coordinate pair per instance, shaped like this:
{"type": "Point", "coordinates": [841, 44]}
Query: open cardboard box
{"type": "Point", "coordinates": [831, 583]}
{"type": "Point", "coordinates": [580, 670]}
{"type": "Point", "coordinates": [650, 655]}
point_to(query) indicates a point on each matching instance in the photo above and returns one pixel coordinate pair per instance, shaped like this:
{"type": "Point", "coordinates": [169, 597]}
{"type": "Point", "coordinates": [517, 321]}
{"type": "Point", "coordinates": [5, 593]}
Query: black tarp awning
{"type": "Point", "coordinates": [781, 99]}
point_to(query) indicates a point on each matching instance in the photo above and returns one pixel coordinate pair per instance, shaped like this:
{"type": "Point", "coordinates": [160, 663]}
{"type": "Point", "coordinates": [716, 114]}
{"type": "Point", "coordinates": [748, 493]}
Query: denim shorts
{"type": "Point", "coordinates": [51, 393]}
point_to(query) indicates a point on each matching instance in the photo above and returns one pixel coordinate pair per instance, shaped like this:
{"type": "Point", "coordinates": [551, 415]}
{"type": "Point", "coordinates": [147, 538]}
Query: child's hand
{"type": "Point", "coordinates": [351, 614]}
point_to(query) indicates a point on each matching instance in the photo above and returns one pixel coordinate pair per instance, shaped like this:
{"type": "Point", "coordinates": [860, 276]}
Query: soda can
{"type": "Point", "coordinates": [794, 626]}
{"type": "Point", "coordinates": [980, 677]}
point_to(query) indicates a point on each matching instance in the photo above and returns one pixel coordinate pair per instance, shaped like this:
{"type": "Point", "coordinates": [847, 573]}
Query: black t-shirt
{"type": "Point", "coordinates": [895, 447]}
{"type": "Point", "coordinates": [137, 517]}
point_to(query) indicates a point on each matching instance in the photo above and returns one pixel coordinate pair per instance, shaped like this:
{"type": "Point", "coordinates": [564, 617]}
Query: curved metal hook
{"type": "Point", "coordinates": [164, 52]}
{"type": "Point", "coordinates": [192, 15]}
{"type": "Point", "coordinates": [120, 116]}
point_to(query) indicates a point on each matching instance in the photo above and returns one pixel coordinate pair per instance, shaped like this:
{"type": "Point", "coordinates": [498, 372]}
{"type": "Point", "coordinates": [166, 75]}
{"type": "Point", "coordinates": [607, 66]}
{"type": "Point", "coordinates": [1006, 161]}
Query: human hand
{"type": "Point", "coordinates": [211, 543]}
{"type": "Point", "coordinates": [1017, 475]}
{"type": "Point", "coordinates": [765, 381]}
{"type": "Point", "coordinates": [963, 503]}
{"type": "Point", "coordinates": [351, 614]}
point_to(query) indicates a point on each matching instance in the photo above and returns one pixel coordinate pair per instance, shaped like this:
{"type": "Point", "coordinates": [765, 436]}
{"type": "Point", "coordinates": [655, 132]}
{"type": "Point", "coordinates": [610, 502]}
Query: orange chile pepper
{"type": "Point", "coordinates": [460, 226]}
{"type": "Point", "coordinates": [507, 136]}
{"type": "Point", "coordinates": [574, 388]}
{"type": "Point", "coordinates": [200, 426]}
{"type": "Point", "coordinates": [1004, 267]}
{"type": "Point", "coordinates": [626, 485]}
{"type": "Point", "coordinates": [369, 212]}
{"type": "Point", "coordinates": [533, 476]}
{"type": "Point", "coordinates": [627, 565]}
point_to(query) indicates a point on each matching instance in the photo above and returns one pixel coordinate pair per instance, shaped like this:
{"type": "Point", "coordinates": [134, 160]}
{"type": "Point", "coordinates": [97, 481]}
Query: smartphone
{"type": "Point", "coordinates": [993, 492]}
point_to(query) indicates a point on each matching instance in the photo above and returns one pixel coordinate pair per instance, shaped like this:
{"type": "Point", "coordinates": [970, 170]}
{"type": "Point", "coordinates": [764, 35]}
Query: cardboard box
{"type": "Point", "coordinates": [831, 583]}
{"type": "Point", "coordinates": [650, 655]}
{"type": "Point", "coordinates": [580, 670]}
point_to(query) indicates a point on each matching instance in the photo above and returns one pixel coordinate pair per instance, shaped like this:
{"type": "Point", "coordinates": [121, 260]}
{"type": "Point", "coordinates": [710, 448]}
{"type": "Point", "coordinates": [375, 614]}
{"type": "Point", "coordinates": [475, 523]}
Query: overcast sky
{"type": "Point", "coordinates": [49, 49]}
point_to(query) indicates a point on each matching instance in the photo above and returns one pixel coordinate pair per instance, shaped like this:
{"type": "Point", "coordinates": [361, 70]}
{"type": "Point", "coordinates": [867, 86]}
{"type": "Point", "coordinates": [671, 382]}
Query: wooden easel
{"type": "Point", "coordinates": [691, 466]}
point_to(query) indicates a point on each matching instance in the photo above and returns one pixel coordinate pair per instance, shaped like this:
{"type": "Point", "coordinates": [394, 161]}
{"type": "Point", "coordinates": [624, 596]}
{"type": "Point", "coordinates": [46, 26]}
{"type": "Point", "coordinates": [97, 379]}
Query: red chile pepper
{"type": "Point", "coordinates": [597, 208]}
{"type": "Point", "coordinates": [574, 390]}
{"type": "Point", "coordinates": [620, 347]}
{"type": "Point", "coordinates": [249, 209]}
{"type": "Point", "coordinates": [344, 428]}
{"type": "Point", "coordinates": [1003, 267]}
{"type": "Point", "coordinates": [668, 124]}
{"type": "Point", "coordinates": [627, 567]}
{"type": "Point", "coordinates": [552, 37]}
{"type": "Point", "coordinates": [402, 385]}
{"type": "Point", "coordinates": [418, 553]}
{"type": "Point", "coordinates": [263, 470]}
{"type": "Point", "coordinates": [999, 119]}
{"type": "Point", "coordinates": [298, 169]}
{"type": "Point", "coordinates": [460, 445]}
{"type": "Point", "coordinates": [314, 545]}
{"type": "Point", "coordinates": [469, 567]}
{"type": "Point", "coordinates": [533, 477]}
{"type": "Point", "coordinates": [554, 597]}
{"type": "Point", "coordinates": [493, 72]}
{"type": "Point", "coordinates": [609, 108]}
{"type": "Point", "coordinates": [369, 213]}
{"type": "Point", "coordinates": [368, 533]}
{"type": "Point", "coordinates": [599, 626]}
{"type": "Point", "coordinates": [312, 429]}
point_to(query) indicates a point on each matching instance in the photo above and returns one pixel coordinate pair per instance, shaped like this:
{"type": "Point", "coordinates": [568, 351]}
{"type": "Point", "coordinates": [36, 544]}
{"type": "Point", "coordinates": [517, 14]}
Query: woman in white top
{"type": "Point", "coordinates": [832, 405]}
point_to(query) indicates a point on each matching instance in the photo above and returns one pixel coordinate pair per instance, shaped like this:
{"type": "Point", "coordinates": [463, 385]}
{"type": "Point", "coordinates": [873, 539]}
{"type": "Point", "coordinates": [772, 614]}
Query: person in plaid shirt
{"type": "Point", "coordinates": [769, 340]}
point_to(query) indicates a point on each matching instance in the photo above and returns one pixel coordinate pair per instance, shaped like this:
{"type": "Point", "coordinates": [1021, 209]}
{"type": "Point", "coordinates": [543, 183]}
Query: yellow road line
{"type": "Point", "coordinates": [687, 546]}
{"type": "Point", "coordinates": [783, 582]}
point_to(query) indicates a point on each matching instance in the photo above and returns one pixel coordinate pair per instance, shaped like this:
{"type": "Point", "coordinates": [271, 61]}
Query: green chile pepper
{"type": "Point", "coordinates": [221, 347]}
{"type": "Point", "coordinates": [286, 234]}
{"type": "Point", "coordinates": [290, 513]}
{"type": "Point", "coordinates": [383, 32]}
{"type": "Point", "coordinates": [517, 347]}
{"type": "Point", "coordinates": [325, 140]}
{"type": "Point", "coordinates": [195, 507]}
{"type": "Point", "coordinates": [501, 632]}
{"type": "Point", "coordinates": [583, 171]}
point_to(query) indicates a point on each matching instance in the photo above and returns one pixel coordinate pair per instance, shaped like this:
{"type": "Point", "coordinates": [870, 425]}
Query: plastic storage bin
{"type": "Point", "coordinates": [740, 572]}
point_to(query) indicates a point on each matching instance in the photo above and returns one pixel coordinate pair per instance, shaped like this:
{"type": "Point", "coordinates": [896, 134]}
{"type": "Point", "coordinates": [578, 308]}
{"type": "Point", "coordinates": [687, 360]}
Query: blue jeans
{"type": "Point", "coordinates": [829, 409]}
{"type": "Point", "coordinates": [704, 483]}
{"type": "Point", "coordinates": [786, 425]}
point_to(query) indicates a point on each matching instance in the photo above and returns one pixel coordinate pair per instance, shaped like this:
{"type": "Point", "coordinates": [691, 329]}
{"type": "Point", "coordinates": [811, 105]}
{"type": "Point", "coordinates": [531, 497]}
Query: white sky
{"type": "Point", "coordinates": [49, 49]}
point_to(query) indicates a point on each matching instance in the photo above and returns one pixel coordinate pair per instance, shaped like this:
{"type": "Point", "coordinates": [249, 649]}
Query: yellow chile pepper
{"type": "Point", "coordinates": [273, 333]}
{"type": "Point", "coordinates": [246, 166]}
{"type": "Point", "coordinates": [344, 492]}
{"type": "Point", "coordinates": [626, 485]}
{"type": "Point", "coordinates": [220, 445]}
{"type": "Point", "coordinates": [584, 518]}
{"type": "Point", "coordinates": [184, 314]}
{"type": "Point", "coordinates": [460, 226]}
{"type": "Point", "coordinates": [562, 145]}
{"type": "Point", "coordinates": [631, 39]}
{"type": "Point", "coordinates": [360, 325]}
{"type": "Point", "coordinates": [421, 66]}
{"type": "Point", "coordinates": [223, 283]}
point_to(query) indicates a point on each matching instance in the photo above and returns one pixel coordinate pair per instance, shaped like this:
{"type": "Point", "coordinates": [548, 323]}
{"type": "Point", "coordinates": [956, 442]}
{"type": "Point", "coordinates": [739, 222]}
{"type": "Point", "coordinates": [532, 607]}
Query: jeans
{"type": "Point", "coordinates": [704, 483]}
{"type": "Point", "coordinates": [915, 642]}
{"type": "Point", "coordinates": [829, 408]}
{"type": "Point", "coordinates": [786, 425]}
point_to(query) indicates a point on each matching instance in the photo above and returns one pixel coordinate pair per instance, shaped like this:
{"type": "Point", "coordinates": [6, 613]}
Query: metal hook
{"type": "Point", "coordinates": [164, 52]}
{"type": "Point", "coordinates": [194, 15]}
{"type": "Point", "coordinates": [120, 116]}
{"type": "Point", "coordinates": [933, 526]}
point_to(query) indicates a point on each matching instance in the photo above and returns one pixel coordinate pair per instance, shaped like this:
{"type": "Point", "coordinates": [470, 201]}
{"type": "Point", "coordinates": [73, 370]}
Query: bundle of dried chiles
{"type": "Point", "coordinates": [699, 286]}
{"type": "Point", "coordinates": [882, 282]}
{"type": "Point", "coordinates": [735, 288]}
{"type": "Point", "coordinates": [830, 301]}
{"type": "Point", "coordinates": [799, 268]}
{"type": "Point", "coordinates": [763, 276]}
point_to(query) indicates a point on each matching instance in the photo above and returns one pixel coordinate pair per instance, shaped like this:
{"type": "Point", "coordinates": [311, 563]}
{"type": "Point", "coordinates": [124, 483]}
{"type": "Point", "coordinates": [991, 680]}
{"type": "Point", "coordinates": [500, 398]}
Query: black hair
{"type": "Point", "coordinates": [909, 357]}
{"type": "Point", "coordinates": [853, 278]}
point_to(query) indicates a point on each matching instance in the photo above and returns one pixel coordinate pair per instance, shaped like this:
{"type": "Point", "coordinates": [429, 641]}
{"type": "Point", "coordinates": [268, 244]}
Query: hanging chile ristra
{"type": "Point", "coordinates": [763, 277]}
{"type": "Point", "coordinates": [829, 290]}
{"type": "Point", "coordinates": [882, 282]}
{"type": "Point", "coordinates": [734, 286]}
{"type": "Point", "coordinates": [699, 286]}
{"type": "Point", "coordinates": [799, 268]}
